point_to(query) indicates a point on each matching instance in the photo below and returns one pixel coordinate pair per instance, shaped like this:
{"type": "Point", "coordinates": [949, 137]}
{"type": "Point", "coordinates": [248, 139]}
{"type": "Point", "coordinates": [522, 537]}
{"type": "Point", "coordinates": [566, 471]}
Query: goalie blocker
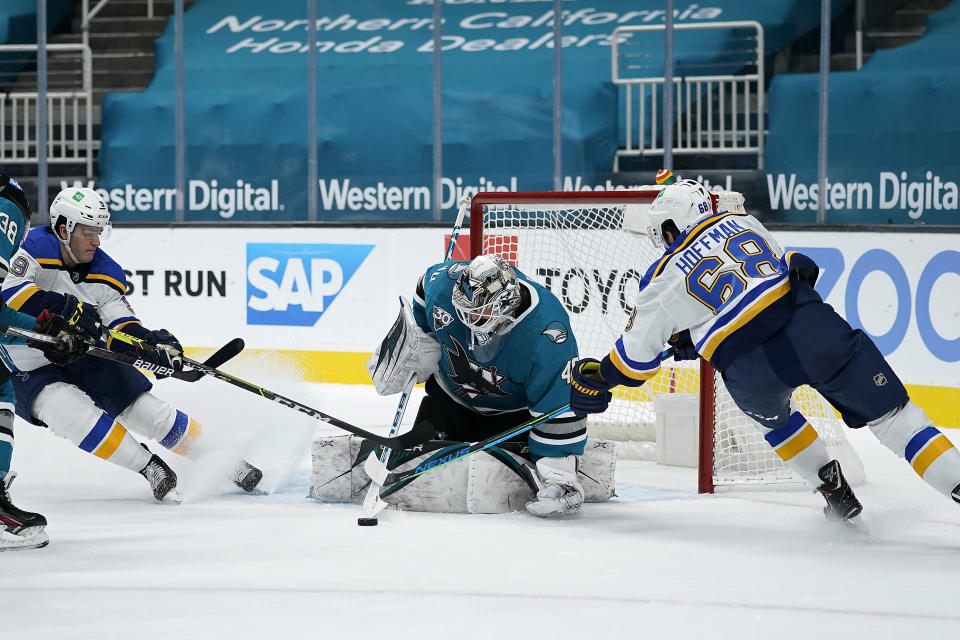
{"type": "Point", "coordinates": [498, 480]}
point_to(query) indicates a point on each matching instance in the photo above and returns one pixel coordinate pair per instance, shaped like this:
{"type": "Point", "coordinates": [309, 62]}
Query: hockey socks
{"type": "Point", "coordinates": [799, 446]}
{"type": "Point", "coordinates": [910, 434]}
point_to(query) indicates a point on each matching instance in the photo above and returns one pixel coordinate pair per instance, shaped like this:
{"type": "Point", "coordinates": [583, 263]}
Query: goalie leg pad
{"type": "Point", "coordinates": [910, 434]}
{"type": "Point", "coordinates": [331, 480]}
{"type": "Point", "coordinates": [483, 483]}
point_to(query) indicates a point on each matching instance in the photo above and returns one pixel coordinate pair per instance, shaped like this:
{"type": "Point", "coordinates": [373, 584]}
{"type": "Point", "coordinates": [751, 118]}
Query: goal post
{"type": "Point", "coordinates": [591, 249]}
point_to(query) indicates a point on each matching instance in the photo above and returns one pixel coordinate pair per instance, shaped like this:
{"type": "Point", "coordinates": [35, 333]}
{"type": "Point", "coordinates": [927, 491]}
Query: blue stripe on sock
{"type": "Point", "coordinates": [176, 431]}
{"type": "Point", "coordinates": [776, 436]}
{"type": "Point", "coordinates": [97, 434]}
{"type": "Point", "coordinates": [918, 441]}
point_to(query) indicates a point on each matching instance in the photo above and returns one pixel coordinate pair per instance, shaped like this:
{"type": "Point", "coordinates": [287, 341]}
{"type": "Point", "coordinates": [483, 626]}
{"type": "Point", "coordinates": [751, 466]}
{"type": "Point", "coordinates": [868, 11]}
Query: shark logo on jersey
{"type": "Point", "coordinates": [556, 332]}
{"type": "Point", "coordinates": [456, 269]}
{"type": "Point", "coordinates": [474, 378]}
{"type": "Point", "coordinates": [441, 318]}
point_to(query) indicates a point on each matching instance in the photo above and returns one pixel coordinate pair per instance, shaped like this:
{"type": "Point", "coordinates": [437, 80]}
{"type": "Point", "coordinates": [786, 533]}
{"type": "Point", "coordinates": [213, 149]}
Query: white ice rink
{"type": "Point", "coordinates": [658, 562]}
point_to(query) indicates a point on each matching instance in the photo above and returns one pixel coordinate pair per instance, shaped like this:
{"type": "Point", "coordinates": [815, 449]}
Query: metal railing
{"type": "Point", "coordinates": [69, 134]}
{"type": "Point", "coordinates": [718, 89]}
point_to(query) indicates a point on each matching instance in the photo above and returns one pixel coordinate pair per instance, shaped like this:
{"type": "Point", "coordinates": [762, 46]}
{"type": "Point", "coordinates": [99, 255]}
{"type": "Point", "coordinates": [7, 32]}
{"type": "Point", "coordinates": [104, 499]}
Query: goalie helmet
{"type": "Point", "coordinates": [682, 203]}
{"type": "Point", "coordinates": [486, 295]}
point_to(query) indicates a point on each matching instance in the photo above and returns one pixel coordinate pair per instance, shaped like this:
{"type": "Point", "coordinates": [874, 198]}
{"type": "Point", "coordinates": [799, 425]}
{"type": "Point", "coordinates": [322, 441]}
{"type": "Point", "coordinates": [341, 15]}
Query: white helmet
{"type": "Point", "coordinates": [682, 202]}
{"type": "Point", "coordinates": [79, 206]}
{"type": "Point", "coordinates": [486, 295]}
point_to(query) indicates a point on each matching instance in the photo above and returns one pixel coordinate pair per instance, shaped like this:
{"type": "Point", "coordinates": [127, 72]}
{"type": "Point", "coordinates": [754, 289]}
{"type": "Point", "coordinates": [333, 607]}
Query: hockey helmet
{"type": "Point", "coordinates": [79, 206]}
{"type": "Point", "coordinates": [12, 191]}
{"type": "Point", "coordinates": [683, 203]}
{"type": "Point", "coordinates": [486, 295]}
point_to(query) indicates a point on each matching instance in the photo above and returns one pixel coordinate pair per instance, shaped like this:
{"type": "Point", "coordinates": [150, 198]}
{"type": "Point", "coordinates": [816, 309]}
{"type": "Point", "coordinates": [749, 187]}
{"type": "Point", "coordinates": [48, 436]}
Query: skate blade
{"type": "Point", "coordinates": [174, 496]}
{"type": "Point", "coordinates": [856, 525]}
{"type": "Point", "coordinates": [33, 538]}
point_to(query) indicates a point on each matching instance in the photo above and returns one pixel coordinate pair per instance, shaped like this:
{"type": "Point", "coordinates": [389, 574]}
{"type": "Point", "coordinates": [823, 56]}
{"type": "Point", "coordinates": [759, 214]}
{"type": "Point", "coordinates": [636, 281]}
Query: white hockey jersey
{"type": "Point", "coordinates": [726, 279]}
{"type": "Point", "coordinates": [38, 278]}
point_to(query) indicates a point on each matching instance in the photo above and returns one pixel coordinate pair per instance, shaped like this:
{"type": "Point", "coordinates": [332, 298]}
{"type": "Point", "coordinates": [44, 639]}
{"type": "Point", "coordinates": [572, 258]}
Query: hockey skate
{"type": "Point", "coordinates": [841, 503]}
{"type": "Point", "coordinates": [246, 476]}
{"type": "Point", "coordinates": [19, 529]}
{"type": "Point", "coordinates": [162, 479]}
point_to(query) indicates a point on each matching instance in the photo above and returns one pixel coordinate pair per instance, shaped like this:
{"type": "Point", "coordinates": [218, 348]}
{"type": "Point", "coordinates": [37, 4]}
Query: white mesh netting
{"type": "Point", "coordinates": [580, 252]}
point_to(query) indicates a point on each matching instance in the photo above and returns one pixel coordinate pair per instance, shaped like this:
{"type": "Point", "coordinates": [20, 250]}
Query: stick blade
{"type": "Point", "coordinates": [373, 504]}
{"type": "Point", "coordinates": [376, 471]}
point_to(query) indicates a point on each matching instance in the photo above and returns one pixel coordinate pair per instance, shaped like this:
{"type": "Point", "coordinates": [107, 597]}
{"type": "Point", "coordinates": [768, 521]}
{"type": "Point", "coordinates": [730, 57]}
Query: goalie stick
{"type": "Point", "coordinates": [407, 440]}
{"type": "Point", "coordinates": [382, 476]}
{"type": "Point", "coordinates": [373, 503]}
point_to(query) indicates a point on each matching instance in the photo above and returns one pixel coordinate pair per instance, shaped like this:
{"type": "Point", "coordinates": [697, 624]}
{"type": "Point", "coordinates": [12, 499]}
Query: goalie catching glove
{"type": "Point", "coordinates": [70, 345]}
{"type": "Point", "coordinates": [406, 351]}
{"type": "Point", "coordinates": [560, 492]}
{"type": "Point", "coordinates": [589, 392]}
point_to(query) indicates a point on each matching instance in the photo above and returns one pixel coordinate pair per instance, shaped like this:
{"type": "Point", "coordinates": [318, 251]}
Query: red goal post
{"type": "Point", "coordinates": [588, 248]}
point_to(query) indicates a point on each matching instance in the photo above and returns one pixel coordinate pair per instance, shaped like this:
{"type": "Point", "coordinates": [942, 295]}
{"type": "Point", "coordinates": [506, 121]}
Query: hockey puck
{"type": "Point", "coordinates": [367, 522]}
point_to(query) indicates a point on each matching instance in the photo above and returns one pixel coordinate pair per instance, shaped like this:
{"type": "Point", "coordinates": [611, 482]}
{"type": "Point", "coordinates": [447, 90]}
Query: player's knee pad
{"type": "Point", "coordinates": [71, 414]}
{"type": "Point", "coordinates": [155, 419]}
{"type": "Point", "coordinates": [910, 434]}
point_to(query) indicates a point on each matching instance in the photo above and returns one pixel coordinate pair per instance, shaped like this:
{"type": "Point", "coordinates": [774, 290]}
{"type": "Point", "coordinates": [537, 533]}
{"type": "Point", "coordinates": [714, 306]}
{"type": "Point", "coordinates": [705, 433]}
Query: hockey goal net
{"type": "Point", "coordinates": [591, 249]}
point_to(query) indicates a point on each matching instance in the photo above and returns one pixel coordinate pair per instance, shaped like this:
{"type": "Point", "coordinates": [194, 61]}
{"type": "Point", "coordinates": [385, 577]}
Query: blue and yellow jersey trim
{"type": "Point", "coordinates": [633, 369]}
{"type": "Point", "coordinates": [752, 304]}
{"type": "Point", "coordinates": [15, 297]}
{"type": "Point", "coordinates": [685, 240]}
{"type": "Point", "coordinates": [43, 247]}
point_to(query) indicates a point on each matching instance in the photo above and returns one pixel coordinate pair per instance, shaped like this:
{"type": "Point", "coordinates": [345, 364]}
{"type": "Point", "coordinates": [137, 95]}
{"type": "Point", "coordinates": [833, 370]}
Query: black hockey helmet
{"type": "Point", "coordinates": [12, 191]}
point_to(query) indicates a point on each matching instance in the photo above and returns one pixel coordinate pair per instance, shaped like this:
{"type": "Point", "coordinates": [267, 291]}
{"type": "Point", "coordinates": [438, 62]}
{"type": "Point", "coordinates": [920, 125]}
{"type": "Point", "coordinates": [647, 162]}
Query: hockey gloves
{"type": "Point", "coordinates": [166, 352]}
{"type": "Point", "coordinates": [589, 392]}
{"type": "Point", "coordinates": [407, 350]}
{"type": "Point", "coordinates": [682, 346]}
{"type": "Point", "coordinates": [70, 346]}
{"type": "Point", "coordinates": [82, 316]}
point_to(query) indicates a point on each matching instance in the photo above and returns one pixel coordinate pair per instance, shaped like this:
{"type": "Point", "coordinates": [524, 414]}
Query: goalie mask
{"type": "Point", "coordinates": [486, 296]}
{"type": "Point", "coordinates": [683, 203]}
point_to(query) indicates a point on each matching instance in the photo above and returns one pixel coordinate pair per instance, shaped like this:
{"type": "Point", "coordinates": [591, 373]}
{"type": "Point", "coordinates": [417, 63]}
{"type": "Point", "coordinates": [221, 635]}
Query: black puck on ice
{"type": "Point", "coordinates": [367, 522]}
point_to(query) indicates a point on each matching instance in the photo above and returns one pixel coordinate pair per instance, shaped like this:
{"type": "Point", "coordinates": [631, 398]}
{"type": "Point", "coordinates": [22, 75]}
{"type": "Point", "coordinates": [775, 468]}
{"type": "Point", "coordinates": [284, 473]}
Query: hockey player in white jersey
{"type": "Point", "coordinates": [494, 349]}
{"type": "Point", "coordinates": [724, 290]}
{"type": "Point", "coordinates": [20, 529]}
{"type": "Point", "coordinates": [93, 402]}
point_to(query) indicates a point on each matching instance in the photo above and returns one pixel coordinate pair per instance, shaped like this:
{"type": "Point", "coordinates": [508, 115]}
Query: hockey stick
{"type": "Point", "coordinates": [379, 473]}
{"type": "Point", "coordinates": [222, 355]}
{"type": "Point", "coordinates": [409, 439]}
{"type": "Point", "coordinates": [373, 503]}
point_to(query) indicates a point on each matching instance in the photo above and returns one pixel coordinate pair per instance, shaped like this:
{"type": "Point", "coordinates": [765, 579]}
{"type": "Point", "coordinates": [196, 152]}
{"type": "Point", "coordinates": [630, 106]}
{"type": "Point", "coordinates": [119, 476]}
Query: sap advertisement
{"type": "Point", "coordinates": [246, 105]}
{"type": "Point", "coordinates": [336, 290]}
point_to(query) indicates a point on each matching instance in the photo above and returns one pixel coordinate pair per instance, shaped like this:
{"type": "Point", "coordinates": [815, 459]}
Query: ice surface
{"type": "Point", "coordinates": [659, 561]}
